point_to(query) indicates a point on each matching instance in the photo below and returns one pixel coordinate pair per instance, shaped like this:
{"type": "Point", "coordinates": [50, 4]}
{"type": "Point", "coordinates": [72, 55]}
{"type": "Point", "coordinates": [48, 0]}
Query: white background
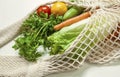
{"type": "Point", "coordinates": [13, 10]}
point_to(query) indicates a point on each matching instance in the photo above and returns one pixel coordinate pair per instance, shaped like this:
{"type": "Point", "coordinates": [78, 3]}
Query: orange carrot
{"type": "Point", "coordinates": [72, 20]}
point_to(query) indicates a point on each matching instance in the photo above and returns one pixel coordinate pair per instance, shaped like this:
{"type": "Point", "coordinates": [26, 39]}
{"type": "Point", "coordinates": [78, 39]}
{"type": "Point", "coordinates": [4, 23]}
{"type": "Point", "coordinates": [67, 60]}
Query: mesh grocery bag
{"type": "Point", "coordinates": [98, 42]}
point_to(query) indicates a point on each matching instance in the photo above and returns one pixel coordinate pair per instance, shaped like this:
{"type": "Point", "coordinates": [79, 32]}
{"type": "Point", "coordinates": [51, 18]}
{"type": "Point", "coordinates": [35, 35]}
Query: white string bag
{"type": "Point", "coordinates": [76, 54]}
{"type": "Point", "coordinates": [98, 27]}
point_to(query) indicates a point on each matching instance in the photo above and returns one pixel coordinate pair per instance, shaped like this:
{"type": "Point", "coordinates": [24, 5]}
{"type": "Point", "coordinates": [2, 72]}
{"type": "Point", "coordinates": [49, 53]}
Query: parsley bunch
{"type": "Point", "coordinates": [34, 32]}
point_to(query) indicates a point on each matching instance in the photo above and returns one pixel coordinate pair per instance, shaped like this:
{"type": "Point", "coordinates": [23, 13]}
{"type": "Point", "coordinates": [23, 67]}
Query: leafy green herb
{"type": "Point", "coordinates": [34, 32]}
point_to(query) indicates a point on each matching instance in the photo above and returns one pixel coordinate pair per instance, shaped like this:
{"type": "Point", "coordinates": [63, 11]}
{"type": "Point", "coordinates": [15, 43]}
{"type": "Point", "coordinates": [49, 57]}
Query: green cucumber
{"type": "Point", "coordinates": [72, 12]}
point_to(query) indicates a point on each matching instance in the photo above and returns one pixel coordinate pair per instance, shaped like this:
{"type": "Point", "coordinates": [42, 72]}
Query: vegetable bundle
{"type": "Point", "coordinates": [37, 29]}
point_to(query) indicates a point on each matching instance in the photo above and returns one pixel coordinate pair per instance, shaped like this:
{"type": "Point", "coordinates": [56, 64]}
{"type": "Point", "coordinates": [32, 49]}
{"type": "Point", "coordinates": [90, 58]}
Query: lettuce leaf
{"type": "Point", "coordinates": [62, 39]}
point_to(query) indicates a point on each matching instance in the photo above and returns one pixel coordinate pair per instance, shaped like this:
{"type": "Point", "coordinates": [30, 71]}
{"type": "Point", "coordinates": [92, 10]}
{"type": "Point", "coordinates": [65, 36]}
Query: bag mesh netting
{"type": "Point", "coordinates": [98, 42]}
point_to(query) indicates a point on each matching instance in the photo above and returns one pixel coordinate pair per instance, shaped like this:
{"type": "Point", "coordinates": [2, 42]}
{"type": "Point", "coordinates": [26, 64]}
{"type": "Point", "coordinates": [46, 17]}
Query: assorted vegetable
{"type": "Point", "coordinates": [44, 9]}
{"type": "Point", "coordinates": [72, 12]}
{"type": "Point", "coordinates": [59, 8]}
{"type": "Point", "coordinates": [115, 34]}
{"type": "Point", "coordinates": [52, 26]}
{"type": "Point", "coordinates": [72, 20]}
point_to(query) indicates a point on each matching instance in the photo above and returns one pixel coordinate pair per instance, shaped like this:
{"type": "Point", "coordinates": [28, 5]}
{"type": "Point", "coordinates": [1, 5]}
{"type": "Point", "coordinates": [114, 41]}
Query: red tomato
{"type": "Point", "coordinates": [44, 9]}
